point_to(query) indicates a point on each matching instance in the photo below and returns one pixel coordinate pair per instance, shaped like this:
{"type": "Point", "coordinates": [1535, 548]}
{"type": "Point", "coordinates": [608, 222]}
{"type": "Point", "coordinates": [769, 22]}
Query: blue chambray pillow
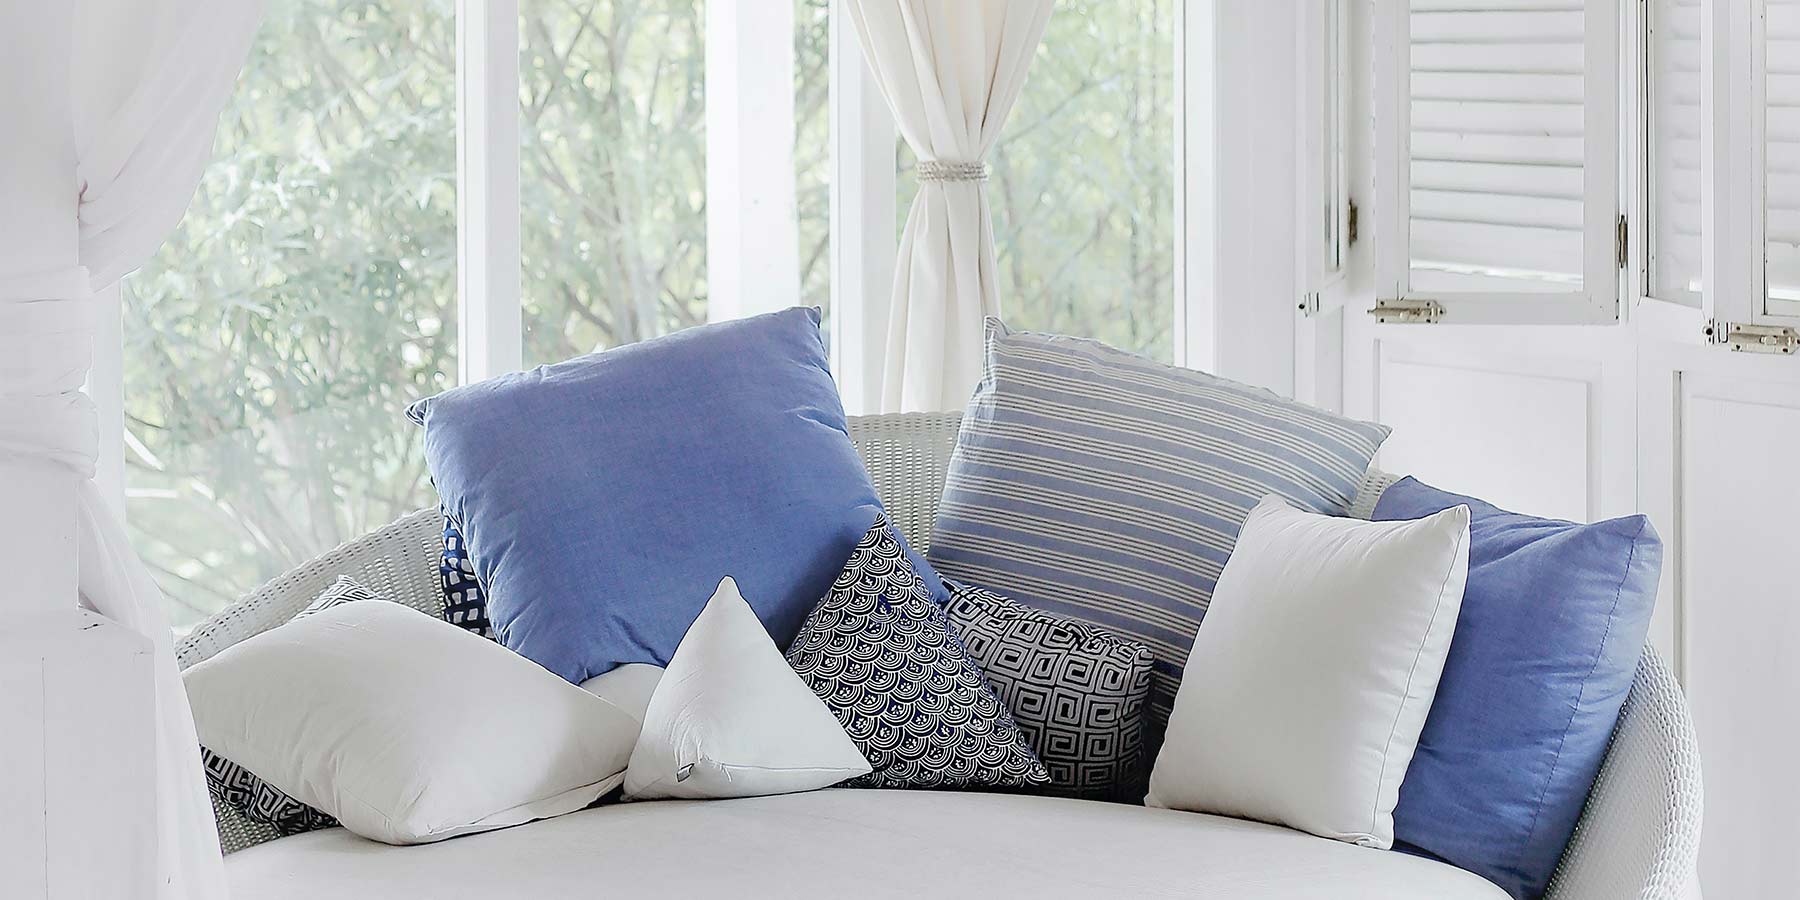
{"type": "Point", "coordinates": [880, 651]}
{"type": "Point", "coordinates": [601, 498]}
{"type": "Point", "coordinates": [1098, 484]}
{"type": "Point", "coordinates": [1553, 622]}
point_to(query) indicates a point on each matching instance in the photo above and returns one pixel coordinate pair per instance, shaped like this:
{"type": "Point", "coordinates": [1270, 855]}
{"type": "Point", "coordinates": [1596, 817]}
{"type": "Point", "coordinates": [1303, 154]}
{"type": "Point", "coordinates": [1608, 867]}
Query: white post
{"type": "Point", "coordinates": [490, 330]}
{"type": "Point", "coordinates": [1196, 185]}
{"type": "Point", "coordinates": [77, 713]}
{"type": "Point", "coordinates": [863, 219]}
{"type": "Point", "coordinates": [752, 240]}
{"type": "Point", "coordinates": [38, 241]}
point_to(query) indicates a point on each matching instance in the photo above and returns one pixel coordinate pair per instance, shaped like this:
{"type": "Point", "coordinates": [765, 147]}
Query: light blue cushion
{"type": "Point", "coordinates": [1107, 487]}
{"type": "Point", "coordinates": [602, 499]}
{"type": "Point", "coordinates": [1553, 621]}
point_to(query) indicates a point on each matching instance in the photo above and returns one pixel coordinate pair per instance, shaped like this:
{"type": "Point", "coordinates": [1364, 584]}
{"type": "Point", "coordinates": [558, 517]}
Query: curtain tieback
{"type": "Point", "coordinates": [933, 170]}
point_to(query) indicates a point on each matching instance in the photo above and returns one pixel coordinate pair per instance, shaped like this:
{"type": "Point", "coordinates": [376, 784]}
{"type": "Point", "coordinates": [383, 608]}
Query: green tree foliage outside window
{"type": "Point", "coordinates": [310, 293]}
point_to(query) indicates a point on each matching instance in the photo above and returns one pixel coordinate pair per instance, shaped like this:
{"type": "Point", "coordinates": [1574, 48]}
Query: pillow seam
{"type": "Point", "coordinates": [1412, 673]}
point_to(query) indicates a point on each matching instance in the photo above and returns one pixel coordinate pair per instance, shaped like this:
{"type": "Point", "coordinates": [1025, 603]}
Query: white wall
{"type": "Point", "coordinates": [1588, 422]}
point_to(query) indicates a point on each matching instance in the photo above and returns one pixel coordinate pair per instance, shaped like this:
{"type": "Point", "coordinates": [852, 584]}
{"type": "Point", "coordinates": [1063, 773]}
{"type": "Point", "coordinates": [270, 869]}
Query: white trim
{"type": "Point", "coordinates": [1321, 246]}
{"type": "Point", "coordinates": [1730, 170]}
{"type": "Point", "coordinates": [490, 328]}
{"type": "Point", "coordinates": [1389, 220]}
{"type": "Point", "coordinates": [752, 232]}
{"type": "Point", "coordinates": [864, 233]}
{"type": "Point", "coordinates": [1196, 185]}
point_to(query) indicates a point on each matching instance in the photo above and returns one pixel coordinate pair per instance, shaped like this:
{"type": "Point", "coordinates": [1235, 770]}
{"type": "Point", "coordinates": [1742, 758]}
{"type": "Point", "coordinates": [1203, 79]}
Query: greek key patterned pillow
{"type": "Point", "coordinates": [1077, 691]}
{"type": "Point", "coordinates": [464, 604]}
{"type": "Point", "coordinates": [344, 590]}
{"type": "Point", "coordinates": [237, 787]}
{"type": "Point", "coordinates": [886, 662]}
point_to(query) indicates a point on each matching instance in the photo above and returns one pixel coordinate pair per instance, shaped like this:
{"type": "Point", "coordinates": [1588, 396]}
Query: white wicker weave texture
{"type": "Point", "coordinates": [1638, 838]}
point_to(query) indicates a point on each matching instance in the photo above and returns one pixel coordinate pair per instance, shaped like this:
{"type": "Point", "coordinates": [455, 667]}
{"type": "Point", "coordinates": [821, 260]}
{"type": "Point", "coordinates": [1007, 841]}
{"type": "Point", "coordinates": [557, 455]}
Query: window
{"type": "Point", "coordinates": [1497, 155]}
{"type": "Point", "coordinates": [678, 161]}
{"type": "Point", "coordinates": [1724, 164]}
{"type": "Point", "coordinates": [307, 296]}
{"type": "Point", "coordinates": [612, 173]}
{"type": "Point", "coordinates": [1082, 181]}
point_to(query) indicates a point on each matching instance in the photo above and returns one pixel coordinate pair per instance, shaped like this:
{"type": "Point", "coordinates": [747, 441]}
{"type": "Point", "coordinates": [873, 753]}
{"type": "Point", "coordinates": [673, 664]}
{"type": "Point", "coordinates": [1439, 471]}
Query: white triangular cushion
{"type": "Point", "coordinates": [731, 719]}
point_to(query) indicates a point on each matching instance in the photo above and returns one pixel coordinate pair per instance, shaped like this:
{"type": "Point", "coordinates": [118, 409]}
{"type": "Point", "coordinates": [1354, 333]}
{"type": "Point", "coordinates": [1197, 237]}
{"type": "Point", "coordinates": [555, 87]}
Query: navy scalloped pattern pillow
{"type": "Point", "coordinates": [886, 661]}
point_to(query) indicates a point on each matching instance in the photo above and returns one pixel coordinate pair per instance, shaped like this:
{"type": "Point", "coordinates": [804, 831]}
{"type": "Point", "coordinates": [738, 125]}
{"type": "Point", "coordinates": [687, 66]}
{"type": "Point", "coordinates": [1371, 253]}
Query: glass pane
{"type": "Point", "coordinates": [1497, 151]}
{"type": "Point", "coordinates": [812, 149]}
{"type": "Point", "coordinates": [1675, 151]}
{"type": "Point", "coordinates": [308, 295]}
{"type": "Point", "coordinates": [612, 165]}
{"type": "Point", "coordinates": [1082, 186]}
{"type": "Point", "coordinates": [1782, 163]}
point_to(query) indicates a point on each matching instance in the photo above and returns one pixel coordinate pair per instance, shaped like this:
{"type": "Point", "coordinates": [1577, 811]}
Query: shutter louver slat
{"type": "Point", "coordinates": [1497, 144]}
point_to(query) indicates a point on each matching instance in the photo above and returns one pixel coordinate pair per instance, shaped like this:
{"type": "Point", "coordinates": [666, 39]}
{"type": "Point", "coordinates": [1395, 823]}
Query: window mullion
{"type": "Point", "coordinates": [864, 220]}
{"type": "Point", "coordinates": [487, 198]}
{"type": "Point", "coordinates": [1730, 165]}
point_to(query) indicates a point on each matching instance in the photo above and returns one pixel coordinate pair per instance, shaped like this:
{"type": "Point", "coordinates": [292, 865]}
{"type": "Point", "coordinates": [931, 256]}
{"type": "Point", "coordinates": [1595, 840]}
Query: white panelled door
{"type": "Point", "coordinates": [1482, 170]}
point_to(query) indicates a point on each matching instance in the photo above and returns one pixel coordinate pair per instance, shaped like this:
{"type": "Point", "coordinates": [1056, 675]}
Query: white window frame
{"type": "Point", "coordinates": [1322, 253]}
{"type": "Point", "coordinates": [1734, 272]}
{"type": "Point", "coordinates": [1598, 300]}
{"type": "Point", "coordinates": [864, 240]}
{"type": "Point", "coordinates": [489, 268]}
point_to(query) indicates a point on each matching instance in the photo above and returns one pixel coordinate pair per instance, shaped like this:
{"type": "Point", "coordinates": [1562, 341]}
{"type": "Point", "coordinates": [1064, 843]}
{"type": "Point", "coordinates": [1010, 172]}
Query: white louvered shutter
{"type": "Point", "coordinates": [1500, 140]}
{"type": "Point", "coordinates": [1781, 147]}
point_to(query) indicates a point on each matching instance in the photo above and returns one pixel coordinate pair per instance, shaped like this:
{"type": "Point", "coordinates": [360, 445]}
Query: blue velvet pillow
{"type": "Point", "coordinates": [1553, 622]}
{"type": "Point", "coordinates": [602, 499]}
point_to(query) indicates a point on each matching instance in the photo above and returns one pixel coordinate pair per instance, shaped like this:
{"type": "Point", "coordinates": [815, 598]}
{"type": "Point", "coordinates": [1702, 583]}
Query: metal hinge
{"type": "Point", "coordinates": [1407, 312]}
{"type": "Point", "coordinates": [1350, 222]}
{"type": "Point", "coordinates": [1754, 338]}
{"type": "Point", "coordinates": [1310, 303]}
{"type": "Point", "coordinates": [1622, 241]}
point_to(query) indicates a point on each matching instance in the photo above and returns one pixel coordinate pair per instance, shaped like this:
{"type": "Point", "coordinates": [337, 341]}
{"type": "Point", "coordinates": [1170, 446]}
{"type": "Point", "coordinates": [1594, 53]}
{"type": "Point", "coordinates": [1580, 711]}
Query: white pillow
{"type": "Point", "coordinates": [628, 687]}
{"type": "Point", "coordinates": [1313, 671]}
{"type": "Point", "coordinates": [731, 719]}
{"type": "Point", "coordinates": [406, 728]}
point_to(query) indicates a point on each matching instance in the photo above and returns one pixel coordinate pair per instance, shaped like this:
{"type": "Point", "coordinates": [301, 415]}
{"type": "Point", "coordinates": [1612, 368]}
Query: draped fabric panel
{"type": "Point", "coordinates": [950, 70]}
{"type": "Point", "coordinates": [146, 81]}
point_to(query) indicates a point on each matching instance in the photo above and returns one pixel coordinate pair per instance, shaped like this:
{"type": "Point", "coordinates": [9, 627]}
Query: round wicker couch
{"type": "Point", "coordinates": [1638, 836]}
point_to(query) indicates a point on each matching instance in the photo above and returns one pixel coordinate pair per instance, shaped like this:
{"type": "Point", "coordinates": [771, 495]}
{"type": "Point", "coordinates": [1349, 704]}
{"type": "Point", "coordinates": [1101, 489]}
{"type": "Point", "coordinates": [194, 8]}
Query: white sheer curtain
{"type": "Point", "coordinates": [950, 70]}
{"type": "Point", "coordinates": [145, 82]}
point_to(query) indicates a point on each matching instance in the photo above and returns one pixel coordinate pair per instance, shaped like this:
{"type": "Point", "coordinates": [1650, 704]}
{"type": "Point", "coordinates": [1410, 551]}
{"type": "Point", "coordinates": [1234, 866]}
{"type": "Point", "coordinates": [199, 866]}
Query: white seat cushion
{"type": "Point", "coordinates": [853, 843]}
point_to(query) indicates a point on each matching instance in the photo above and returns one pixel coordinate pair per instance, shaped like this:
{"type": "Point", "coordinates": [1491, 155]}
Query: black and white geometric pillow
{"type": "Point", "coordinates": [236, 787]}
{"type": "Point", "coordinates": [886, 661]}
{"type": "Point", "coordinates": [1077, 691]}
{"type": "Point", "coordinates": [464, 604]}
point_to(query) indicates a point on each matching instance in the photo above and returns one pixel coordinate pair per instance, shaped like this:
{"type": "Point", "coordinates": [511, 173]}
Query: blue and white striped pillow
{"type": "Point", "coordinates": [1097, 484]}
